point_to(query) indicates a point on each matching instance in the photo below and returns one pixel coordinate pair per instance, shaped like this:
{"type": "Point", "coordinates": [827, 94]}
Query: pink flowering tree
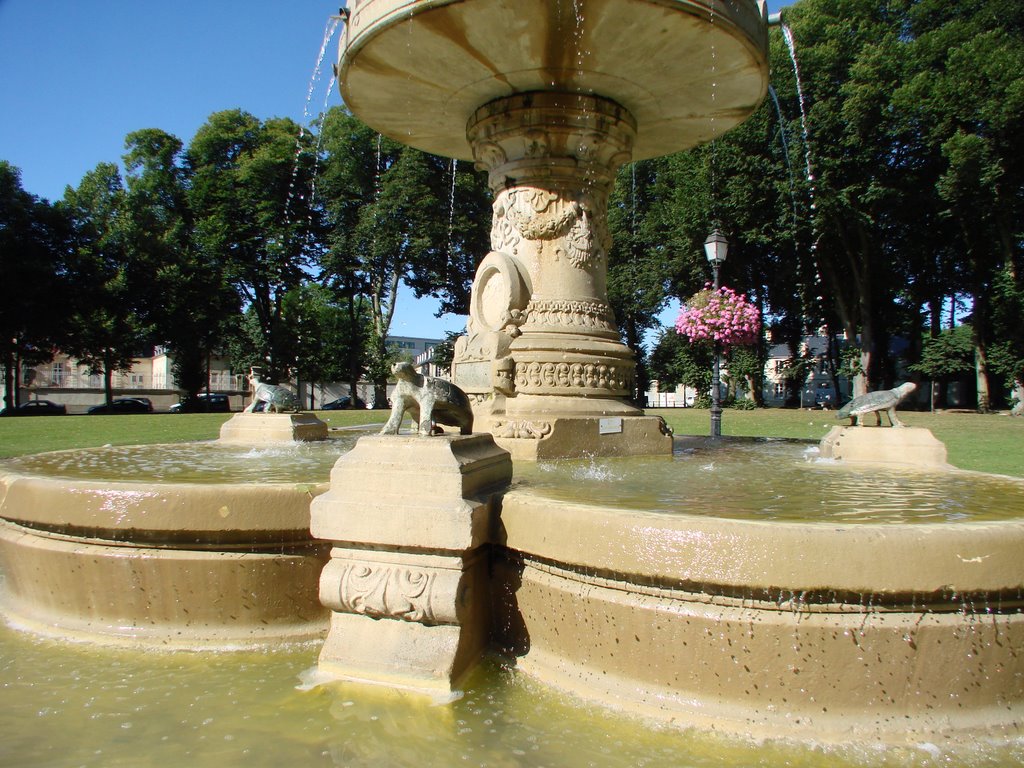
{"type": "Point", "coordinates": [723, 316]}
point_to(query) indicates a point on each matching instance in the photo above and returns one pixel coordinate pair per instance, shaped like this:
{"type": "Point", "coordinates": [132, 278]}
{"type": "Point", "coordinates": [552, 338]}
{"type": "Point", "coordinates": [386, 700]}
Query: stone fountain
{"type": "Point", "coordinates": [827, 605]}
{"type": "Point", "coordinates": [551, 98]}
{"type": "Point", "coordinates": [823, 630]}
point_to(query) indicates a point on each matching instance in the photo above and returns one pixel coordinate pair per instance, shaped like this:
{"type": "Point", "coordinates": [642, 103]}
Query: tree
{"type": "Point", "coordinates": [321, 334]}
{"type": "Point", "coordinates": [186, 301]}
{"type": "Point", "coordinates": [383, 205]}
{"type": "Point", "coordinates": [251, 185]}
{"type": "Point", "coordinates": [947, 355]}
{"type": "Point", "coordinates": [33, 293]}
{"type": "Point", "coordinates": [675, 361]}
{"type": "Point", "coordinates": [106, 328]}
{"type": "Point", "coordinates": [1007, 354]}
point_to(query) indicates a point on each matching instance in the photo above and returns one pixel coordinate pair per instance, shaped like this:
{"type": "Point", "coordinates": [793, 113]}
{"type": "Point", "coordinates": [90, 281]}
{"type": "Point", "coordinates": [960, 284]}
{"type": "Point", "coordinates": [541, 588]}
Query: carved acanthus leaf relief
{"type": "Point", "coordinates": [391, 592]}
{"type": "Point", "coordinates": [524, 430]}
{"type": "Point", "coordinates": [504, 236]}
{"type": "Point", "coordinates": [537, 375]}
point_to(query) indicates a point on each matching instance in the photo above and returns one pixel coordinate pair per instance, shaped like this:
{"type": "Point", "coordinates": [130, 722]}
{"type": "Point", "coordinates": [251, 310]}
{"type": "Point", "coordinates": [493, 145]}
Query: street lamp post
{"type": "Point", "coordinates": [716, 247]}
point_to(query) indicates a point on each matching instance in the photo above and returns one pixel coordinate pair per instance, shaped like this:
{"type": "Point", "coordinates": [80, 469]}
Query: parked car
{"type": "Point", "coordinates": [214, 402]}
{"type": "Point", "coordinates": [343, 404]}
{"type": "Point", "coordinates": [824, 396]}
{"type": "Point", "coordinates": [36, 408]}
{"type": "Point", "coordinates": [123, 405]}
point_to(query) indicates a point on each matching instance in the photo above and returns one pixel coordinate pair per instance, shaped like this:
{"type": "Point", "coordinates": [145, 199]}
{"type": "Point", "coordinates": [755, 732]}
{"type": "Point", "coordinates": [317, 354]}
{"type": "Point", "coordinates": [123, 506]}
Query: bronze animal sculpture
{"type": "Point", "coordinates": [429, 401]}
{"type": "Point", "coordinates": [876, 402]}
{"type": "Point", "coordinates": [276, 398]}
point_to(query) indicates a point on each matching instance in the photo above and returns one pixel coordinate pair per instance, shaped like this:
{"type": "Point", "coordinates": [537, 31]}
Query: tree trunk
{"type": "Point", "coordinates": [17, 375]}
{"type": "Point", "coordinates": [981, 376]}
{"type": "Point", "coordinates": [108, 380]}
{"type": "Point", "coordinates": [9, 378]}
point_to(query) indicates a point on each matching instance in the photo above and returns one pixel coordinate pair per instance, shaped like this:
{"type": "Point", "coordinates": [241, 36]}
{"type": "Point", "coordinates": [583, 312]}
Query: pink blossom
{"type": "Point", "coordinates": [723, 316]}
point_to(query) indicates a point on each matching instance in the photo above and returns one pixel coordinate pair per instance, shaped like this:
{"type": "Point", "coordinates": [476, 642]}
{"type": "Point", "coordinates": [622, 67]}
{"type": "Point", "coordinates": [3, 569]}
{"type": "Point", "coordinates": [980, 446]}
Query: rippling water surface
{"type": "Point", "coordinates": [774, 480]}
{"type": "Point", "coordinates": [65, 705]}
{"type": "Point", "coordinates": [205, 462]}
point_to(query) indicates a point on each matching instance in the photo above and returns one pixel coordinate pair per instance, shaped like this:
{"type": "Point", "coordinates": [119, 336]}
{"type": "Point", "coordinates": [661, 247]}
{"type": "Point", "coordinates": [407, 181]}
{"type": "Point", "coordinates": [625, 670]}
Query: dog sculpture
{"type": "Point", "coordinates": [429, 401]}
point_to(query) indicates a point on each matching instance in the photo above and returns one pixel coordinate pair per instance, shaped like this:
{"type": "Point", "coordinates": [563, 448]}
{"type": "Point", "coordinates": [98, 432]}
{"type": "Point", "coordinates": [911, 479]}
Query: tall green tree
{"type": "Point", "coordinates": [397, 215]}
{"type": "Point", "coordinates": [106, 327]}
{"type": "Point", "coordinates": [33, 292]}
{"type": "Point", "coordinates": [251, 191]}
{"type": "Point", "coordinates": [321, 334]}
{"type": "Point", "coordinates": [187, 300]}
{"type": "Point", "coordinates": [965, 94]}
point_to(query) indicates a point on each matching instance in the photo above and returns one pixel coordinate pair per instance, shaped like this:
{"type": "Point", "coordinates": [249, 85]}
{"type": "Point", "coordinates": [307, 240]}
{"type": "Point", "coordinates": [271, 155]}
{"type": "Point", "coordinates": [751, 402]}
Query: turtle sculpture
{"type": "Point", "coordinates": [276, 399]}
{"type": "Point", "coordinates": [428, 400]}
{"type": "Point", "coordinates": [876, 402]}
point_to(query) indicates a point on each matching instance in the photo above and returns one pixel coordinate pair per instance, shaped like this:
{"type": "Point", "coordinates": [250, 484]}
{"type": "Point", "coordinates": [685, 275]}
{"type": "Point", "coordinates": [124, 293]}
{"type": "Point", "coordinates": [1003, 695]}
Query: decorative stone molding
{"type": "Point", "coordinates": [389, 591]}
{"type": "Point", "coordinates": [522, 430]}
{"type": "Point", "coordinates": [410, 521]}
{"type": "Point", "coordinates": [540, 214]}
{"type": "Point", "coordinates": [590, 315]}
{"type": "Point", "coordinates": [544, 375]}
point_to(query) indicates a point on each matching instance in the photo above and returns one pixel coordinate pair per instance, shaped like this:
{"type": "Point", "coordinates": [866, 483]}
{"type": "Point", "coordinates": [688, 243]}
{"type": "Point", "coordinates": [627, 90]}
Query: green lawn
{"type": "Point", "coordinates": [35, 434]}
{"type": "Point", "coordinates": [993, 443]}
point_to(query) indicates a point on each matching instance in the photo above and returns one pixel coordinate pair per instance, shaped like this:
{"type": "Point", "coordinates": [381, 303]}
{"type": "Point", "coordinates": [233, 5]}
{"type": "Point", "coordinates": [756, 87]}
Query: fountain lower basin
{"type": "Point", "coordinates": [742, 587]}
{"type": "Point", "coordinates": [749, 616]}
{"type": "Point", "coordinates": [188, 545]}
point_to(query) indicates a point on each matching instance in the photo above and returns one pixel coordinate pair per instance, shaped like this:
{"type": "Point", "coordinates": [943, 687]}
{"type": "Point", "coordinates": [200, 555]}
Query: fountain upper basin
{"type": "Point", "coordinates": [686, 70]}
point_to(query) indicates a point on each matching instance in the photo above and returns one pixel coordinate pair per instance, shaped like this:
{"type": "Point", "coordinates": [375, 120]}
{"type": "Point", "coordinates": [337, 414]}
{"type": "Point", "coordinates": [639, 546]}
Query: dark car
{"type": "Point", "coordinates": [36, 408]}
{"type": "Point", "coordinates": [123, 405]}
{"type": "Point", "coordinates": [214, 402]}
{"type": "Point", "coordinates": [343, 404]}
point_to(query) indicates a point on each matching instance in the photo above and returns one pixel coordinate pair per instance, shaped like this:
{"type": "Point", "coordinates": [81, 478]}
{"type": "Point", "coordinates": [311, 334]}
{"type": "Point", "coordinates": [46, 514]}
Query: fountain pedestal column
{"type": "Point", "coordinates": [543, 360]}
{"type": "Point", "coordinates": [411, 519]}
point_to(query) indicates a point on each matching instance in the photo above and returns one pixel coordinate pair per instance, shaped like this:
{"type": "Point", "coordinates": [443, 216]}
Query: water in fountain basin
{"type": "Point", "coordinates": [208, 462]}
{"type": "Point", "coordinates": [65, 705]}
{"type": "Point", "coordinates": [715, 479]}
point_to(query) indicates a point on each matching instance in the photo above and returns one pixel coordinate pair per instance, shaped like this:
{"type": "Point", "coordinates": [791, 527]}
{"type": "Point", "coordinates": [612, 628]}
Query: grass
{"type": "Point", "coordinates": [989, 443]}
{"type": "Point", "coordinates": [985, 443]}
{"type": "Point", "coordinates": [19, 436]}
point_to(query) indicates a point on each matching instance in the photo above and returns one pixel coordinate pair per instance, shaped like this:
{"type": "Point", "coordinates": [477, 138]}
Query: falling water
{"type": "Point", "coordinates": [787, 35]}
{"type": "Point", "coordinates": [785, 149]}
{"type": "Point", "coordinates": [329, 30]}
{"type": "Point", "coordinates": [451, 207]}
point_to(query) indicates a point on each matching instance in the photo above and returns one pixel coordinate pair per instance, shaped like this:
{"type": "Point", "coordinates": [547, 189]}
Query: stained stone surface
{"type": "Point", "coordinates": [551, 97]}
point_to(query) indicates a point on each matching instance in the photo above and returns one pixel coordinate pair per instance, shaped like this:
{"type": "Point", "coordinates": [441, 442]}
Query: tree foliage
{"type": "Point", "coordinates": [33, 291]}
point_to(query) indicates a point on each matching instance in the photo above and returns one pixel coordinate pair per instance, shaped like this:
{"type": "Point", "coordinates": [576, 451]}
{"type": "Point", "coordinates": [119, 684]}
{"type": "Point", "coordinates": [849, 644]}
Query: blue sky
{"type": "Point", "coordinates": [77, 76]}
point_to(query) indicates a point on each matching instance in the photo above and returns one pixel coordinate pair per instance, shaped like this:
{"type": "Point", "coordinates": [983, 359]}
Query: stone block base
{"type": "Point", "coordinates": [408, 619]}
{"type": "Point", "coordinates": [908, 447]}
{"type": "Point", "coordinates": [268, 428]}
{"type": "Point", "coordinates": [572, 437]}
{"type": "Point", "coordinates": [412, 519]}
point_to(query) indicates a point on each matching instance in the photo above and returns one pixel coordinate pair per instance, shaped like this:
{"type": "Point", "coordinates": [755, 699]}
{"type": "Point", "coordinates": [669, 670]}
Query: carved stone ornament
{"type": "Point", "coordinates": [504, 236]}
{"type": "Point", "coordinates": [523, 430]}
{"type": "Point", "coordinates": [385, 591]}
{"type": "Point", "coordinates": [540, 214]}
{"type": "Point", "coordinates": [536, 375]}
{"type": "Point", "coordinates": [586, 315]}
